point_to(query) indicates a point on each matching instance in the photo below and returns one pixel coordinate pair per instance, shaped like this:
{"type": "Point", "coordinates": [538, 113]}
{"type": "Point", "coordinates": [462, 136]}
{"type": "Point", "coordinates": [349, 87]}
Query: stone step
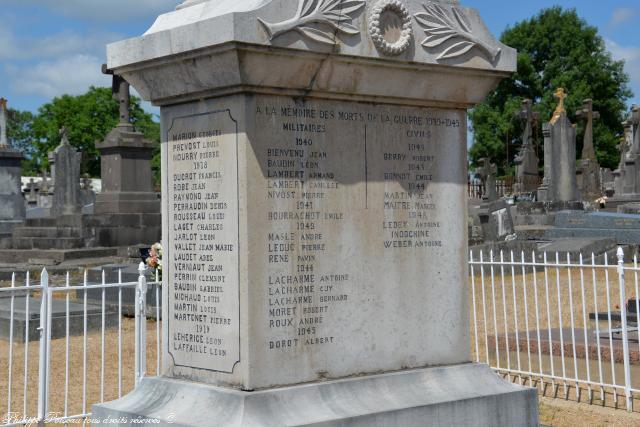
{"type": "Point", "coordinates": [61, 221]}
{"type": "Point", "coordinates": [48, 243]}
{"type": "Point", "coordinates": [47, 232]}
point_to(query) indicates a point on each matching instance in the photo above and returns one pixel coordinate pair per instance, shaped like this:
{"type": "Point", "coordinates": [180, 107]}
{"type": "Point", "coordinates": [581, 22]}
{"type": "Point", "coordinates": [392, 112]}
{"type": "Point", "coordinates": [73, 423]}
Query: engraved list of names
{"type": "Point", "coordinates": [203, 254]}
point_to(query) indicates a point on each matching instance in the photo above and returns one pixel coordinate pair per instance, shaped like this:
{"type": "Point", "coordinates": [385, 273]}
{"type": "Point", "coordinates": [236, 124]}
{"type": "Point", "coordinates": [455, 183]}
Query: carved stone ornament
{"type": "Point", "coordinates": [390, 27]}
{"type": "Point", "coordinates": [441, 26]}
{"type": "Point", "coordinates": [328, 17]}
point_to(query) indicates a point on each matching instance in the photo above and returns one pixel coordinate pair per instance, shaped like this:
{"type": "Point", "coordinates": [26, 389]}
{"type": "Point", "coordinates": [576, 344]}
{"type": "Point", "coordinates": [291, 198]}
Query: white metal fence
{"type": "Point", "coordinates": [549, 321]}
{"type": "Point", "coordinates": [60, 380]}
{"type": "Point", "coordinates": [552, 321]}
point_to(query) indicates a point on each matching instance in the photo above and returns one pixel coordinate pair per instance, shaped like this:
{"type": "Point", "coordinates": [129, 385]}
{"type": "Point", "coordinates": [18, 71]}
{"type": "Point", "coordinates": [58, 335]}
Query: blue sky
{"type": "Point", "coordinates": [52, 47]}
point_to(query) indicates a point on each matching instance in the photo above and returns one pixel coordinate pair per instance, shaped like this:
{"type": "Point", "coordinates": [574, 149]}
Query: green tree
{"type": "Point", "coordinates": [556, 49]}
{"type": "Point", "coordinates": [20, 135]}
{"type": "Point", "coordinates": [88, 118]}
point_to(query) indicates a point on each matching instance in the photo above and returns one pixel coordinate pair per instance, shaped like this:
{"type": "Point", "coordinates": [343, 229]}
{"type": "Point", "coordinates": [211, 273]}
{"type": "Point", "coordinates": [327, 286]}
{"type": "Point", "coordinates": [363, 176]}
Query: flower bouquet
{"type": "Point", "coordinates": [154, 260]}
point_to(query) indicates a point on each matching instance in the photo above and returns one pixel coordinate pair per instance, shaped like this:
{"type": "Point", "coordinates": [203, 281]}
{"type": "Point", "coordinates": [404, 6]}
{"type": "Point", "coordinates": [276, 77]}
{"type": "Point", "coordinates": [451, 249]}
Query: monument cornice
{"type": "Point", "coordinates": [253, 68]}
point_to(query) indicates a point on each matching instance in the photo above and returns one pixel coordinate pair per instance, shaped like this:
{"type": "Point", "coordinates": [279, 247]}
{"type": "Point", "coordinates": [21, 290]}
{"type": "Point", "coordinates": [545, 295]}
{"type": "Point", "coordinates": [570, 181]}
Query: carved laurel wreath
{"type": "Point", "coordinates": [375, 28]}
{"type": "Point", "coordinates": [440, 26]}
{"type": "Point", "coordinates": [319, 20]}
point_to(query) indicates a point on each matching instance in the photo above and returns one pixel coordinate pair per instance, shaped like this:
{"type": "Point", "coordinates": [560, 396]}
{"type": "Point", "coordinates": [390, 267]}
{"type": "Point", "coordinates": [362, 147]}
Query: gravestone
{"type": "Point", "coordinates": [12, 204]}
{"type": "Point", "coordinates": [527, 159]}
{"type": "Point", "coordinates": [314, 202]}
{"type": "Point", "coordinates": [619, 173]}
{"type": "Point", "coordinates": [66, 196]}
{"type": "Point", "coordinates": [487, 173]}
{"type": "Point", "coordinates": [559, 183]}
{"type": "Point", "coordinates": [127, 210]}
{"type": "Point", "coordinates": [631, 186]}
{"type": "Point", "coordinates": [589, 179]}
{"type": "Point", "coordinates": [496, 221]}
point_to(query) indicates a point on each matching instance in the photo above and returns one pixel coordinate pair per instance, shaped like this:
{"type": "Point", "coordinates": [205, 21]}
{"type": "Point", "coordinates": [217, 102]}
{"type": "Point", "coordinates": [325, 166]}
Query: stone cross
{"type": "Point", "coordinates": [3, 123]}
{"type": "Point", "coordinates": [634, 121]}
{"type": "Point", "coordinates": [530, 118]}
{"type": "Point", "coordinates": [587, 113]}
{"type": "Point", "coordinates": [560, 95]}
{"type": "Point", "coordinates": [120, 90]}
{"type": "Point", "coordinates": [64, 136]}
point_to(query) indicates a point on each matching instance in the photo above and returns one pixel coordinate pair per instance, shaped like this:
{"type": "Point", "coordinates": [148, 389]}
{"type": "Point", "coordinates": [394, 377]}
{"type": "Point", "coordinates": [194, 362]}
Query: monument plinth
{"type": "Point", "coordinates": [127, 210]}
{"type": "Point", "coordinates": [12, 205]}
{"type": "Point", "coordinates": [314, 214]}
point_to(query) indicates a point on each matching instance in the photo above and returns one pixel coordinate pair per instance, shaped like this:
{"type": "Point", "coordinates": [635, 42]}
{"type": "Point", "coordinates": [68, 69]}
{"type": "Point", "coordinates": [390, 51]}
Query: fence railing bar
{"type": "Point", "coordinates": [609, 325]}
{"type": "Point", "coordinates": [484, 311]}
{"type": "Point", "coordinates": [555, 377]}
{"type": "Point", "coordinates": [42, 365]}
{"type": "Point", "coordinates": [597, 322]}
{"type": "Point", "coordinates": [573, 327]}
{"type": "Point", "coordinates": [495, 316]}
{"type": "Point", "coordinates": [158, 337]}
{"type": "Point", "coordinates": [559, 301]}
{"type": "Point", "coordinates": [625, 332]}
{"type": "Point", "coordinates": [526, 313]}
{"type": "Point", "coordinates": [504, 314]}
{"type": "Point", "coordinates": [66, 365]}
{"type": "Point", "coordinates": [548, 301]}
{"type": "Point", "coordinates": [12, 313]}
{"type": "Point", "coordinates": [119, 334]}
{"type": "Point", "coordinates": [84, 348]}
{"type": "Point", "coordinates": [585, 328]}
{"type": "Point", "coordinates": [473, 305]}
{"type": "Point", "coordinates": [102, 339]}
{"type": "Point", "coordinates": [25, 388]}
{"type": "Point", "coordinates": [535, 294]}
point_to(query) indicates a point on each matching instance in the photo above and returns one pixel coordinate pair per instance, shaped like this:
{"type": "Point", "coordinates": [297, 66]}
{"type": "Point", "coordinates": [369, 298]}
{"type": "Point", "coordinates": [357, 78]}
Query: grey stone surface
{"type": "Point", "coordinates": [631, 184]}
{"type": "Point", "coordinates": [559, 183]}
{"type": "Point", "coordinates": [303, 182]}
{"type": "Point", "coordinates": [66, 196]}
{"type": "Point", "coordinates": [589, 179]}
{"type": "Point", "coordinates": [527, 159]}
{"type": "Point", "coordinates": [127, 184]}
{"type": "Point", "coordinates": [126, 273]}
{"type": "Point", "coordinates": [460, 395]}
{"type": "Point", "coordinates": [58, 318]}
{"type": "Point", "coordinates": [496, 220]}
{"type": "Point", "coordinates": [12, 203]}
{"type": "Point", "coordinates": [487, 174]}
{"type": "Point", "coordinates": [624, 228]}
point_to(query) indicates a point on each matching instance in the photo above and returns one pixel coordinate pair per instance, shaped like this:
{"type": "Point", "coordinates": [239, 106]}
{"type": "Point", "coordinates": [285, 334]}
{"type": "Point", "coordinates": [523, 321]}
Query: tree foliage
{"type": "Point", "coordinates": [88, 119]}
{"type": "Point", "coordinates": [556, 49]}
{"type": "Point", "coordinates": [20, 134]}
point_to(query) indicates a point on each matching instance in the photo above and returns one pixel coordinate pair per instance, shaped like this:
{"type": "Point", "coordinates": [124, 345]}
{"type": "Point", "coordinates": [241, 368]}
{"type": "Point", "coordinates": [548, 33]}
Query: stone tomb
{"type": "Point", "coordinates": [58, 318]}
{"type": "Point", "coordinates": [314, 216]}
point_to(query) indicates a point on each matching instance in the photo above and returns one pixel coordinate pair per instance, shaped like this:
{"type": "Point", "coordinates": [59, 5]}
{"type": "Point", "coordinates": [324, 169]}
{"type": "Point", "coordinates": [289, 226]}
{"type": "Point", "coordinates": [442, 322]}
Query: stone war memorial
{"type": "Point", "coordinates": [314, 214]}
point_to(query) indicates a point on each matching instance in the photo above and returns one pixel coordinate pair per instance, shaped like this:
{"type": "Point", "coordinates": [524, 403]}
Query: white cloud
{"type": "Point", "coordinates": [621, 15]}
{"type": "Point", "coordinates": [54, 45]}
{"type": "Point", "coordinates": [104, 10]}
{"type": "Point", "coordinates": [71, 75]}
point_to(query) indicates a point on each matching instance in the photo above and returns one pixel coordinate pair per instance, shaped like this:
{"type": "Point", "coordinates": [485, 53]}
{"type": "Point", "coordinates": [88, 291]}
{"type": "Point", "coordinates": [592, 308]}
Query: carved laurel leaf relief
{"type": "Point", "coordinates": [441, 26]}
{"type": "Point", "coordinates": [328, 17]}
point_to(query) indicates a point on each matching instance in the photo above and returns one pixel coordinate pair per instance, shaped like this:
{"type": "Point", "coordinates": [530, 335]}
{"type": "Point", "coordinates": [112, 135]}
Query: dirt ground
{"type": "Point", "coordinates": [553, 411]}
{"type": "Point", "coordinates": [115, 384]}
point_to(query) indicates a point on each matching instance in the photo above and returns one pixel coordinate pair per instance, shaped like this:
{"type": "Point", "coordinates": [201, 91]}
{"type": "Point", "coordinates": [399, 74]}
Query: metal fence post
{"type": "Point", "coordinates": [625, 337]}
{"type": "Point", "coordinates": [43, 366]}
{"type": "Point", "coordinates": [141, 325]}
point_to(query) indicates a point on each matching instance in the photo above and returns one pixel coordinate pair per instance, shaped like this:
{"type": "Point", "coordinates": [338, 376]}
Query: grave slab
{"type": "Point", "coordinates": [58, 318]}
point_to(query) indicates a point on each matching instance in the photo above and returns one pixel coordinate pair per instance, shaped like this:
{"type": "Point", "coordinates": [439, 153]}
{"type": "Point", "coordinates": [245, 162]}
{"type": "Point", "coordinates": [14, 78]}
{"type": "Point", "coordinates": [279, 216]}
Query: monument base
{"type": "Point", "coordinates": [468, 394]}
